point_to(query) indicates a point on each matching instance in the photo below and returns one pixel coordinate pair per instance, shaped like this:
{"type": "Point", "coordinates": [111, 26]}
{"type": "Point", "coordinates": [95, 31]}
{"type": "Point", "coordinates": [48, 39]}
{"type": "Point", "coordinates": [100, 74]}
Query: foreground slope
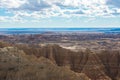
{"type": "Point", "coordinates": [16, 65]}
{"type": "Point", "coordinates": [64, 64]}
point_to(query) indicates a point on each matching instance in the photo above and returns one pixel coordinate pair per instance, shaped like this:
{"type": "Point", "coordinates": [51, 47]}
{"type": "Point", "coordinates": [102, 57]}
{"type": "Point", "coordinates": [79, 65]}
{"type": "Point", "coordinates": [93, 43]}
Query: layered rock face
{"type": "Point", "coordinates": [16, 65]}
{"type": "Point", "coordinates": [103, 65]}
{"type": "Point", "coordinates": [111, 62]}
{"type": "Point", "coordinates": [52, 62]}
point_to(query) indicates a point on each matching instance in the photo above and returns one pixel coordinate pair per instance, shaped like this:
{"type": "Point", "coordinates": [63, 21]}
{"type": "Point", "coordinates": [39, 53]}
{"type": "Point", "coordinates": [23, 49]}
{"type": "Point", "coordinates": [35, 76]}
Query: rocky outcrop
{"type": "Point", "coordinates": [97, 66]}
{"type": "Point", "coordinates": [94, 68]}
{"type": "Point", "coordinates": [16, 65]}
{"type": "Point", "coordinates": [103, 65]}
{"type": "Point", "coordinates": [111, 61]}
{"type": "Point", "coordinates": [85, 62]}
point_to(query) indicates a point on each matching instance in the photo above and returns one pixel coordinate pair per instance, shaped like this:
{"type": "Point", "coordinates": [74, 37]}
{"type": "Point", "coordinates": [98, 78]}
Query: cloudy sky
{"type": "Point", "coordinates": [59, 13]}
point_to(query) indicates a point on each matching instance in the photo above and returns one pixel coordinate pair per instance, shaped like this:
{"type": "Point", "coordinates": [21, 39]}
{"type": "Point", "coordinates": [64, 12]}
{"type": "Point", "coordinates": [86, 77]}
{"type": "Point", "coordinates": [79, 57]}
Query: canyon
{"type": "Point", "coordinates": [52, 62]}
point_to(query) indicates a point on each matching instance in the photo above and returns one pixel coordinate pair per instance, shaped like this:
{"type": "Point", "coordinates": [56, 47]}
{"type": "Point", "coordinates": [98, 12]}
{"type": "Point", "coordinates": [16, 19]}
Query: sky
{"type": "Point", "coordinates": [59, 13]}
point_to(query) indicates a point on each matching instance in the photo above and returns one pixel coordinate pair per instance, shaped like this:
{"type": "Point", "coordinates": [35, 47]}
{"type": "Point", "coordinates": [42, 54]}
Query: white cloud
{"type": "Point", "coordinates": [11, 3]}
{"type": "Point", "coordinates": [15, 18]}
{"type": "Point", "coordinates": [35, 9]}
{"type": "Point", "coordinates": [2, 19]}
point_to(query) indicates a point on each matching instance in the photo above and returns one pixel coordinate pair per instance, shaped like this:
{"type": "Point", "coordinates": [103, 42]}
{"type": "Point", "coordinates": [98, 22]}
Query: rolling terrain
{"type": "Point", "coordinates": [61, 55]}
{"type": "Point", "coordinates": [56, 63]}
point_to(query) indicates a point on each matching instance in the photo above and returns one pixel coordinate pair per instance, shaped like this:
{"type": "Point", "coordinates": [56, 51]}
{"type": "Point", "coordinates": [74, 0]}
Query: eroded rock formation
{"type": "Point", "coordinates": [16, 65]}
{"type": "Point", "coordinates": [52, 62]}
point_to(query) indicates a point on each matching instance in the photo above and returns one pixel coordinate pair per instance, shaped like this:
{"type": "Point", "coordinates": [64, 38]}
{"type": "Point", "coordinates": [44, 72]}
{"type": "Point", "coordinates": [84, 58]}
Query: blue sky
{"type": "Point", "coordinates": [59, 13]}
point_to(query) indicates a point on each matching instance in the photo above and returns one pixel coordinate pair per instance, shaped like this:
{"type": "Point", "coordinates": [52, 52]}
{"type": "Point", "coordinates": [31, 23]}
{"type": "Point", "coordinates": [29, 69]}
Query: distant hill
{"type": "Point", "coordinates": [42, 30]}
